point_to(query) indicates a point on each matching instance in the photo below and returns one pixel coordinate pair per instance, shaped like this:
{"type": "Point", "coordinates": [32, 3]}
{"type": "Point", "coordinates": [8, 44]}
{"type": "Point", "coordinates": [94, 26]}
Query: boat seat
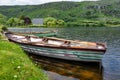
{"type": "Point", "coordinates": [45, 39]}
{"type": "Point", "coordinates": [55, 42]}
{"type": "Point", "coordinates": [66, 44]}
{"type": "Point", "coordinates": [20, 37]}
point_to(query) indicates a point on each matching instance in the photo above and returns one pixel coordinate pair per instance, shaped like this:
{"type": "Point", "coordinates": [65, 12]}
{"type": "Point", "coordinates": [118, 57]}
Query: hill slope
{"type": "Point", "coordinates": [68, 11]}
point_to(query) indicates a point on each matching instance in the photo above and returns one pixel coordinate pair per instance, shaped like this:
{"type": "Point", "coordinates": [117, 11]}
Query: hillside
{"type": "Point", "coordinates": [68, 11]}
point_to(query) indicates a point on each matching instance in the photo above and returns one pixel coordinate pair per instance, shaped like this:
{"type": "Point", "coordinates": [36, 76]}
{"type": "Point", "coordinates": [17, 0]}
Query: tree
{"type": "Point", "coordinates": [26, 20]}
{"type": "Point", "coordinates": [50, 21]}
{"type": "Point", "coordinates": [15, 22]}
{"type": "Point", "coordinates": [2, 19]}
{"type": "Point", "coordinates": [10, 21]}
{"type": "Point", "coordinates": [60, 22]}
{"type": "Point", "coordinates": [18, 22]}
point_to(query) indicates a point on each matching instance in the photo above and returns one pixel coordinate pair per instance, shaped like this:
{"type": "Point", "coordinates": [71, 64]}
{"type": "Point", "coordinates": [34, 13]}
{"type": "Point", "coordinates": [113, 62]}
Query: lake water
{"type": "Point", "coordinates": [66, 70]}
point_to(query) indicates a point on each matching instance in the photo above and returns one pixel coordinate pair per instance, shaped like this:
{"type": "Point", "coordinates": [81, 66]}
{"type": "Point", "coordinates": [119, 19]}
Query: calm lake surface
{"type": "Point", "coordinates": [68, 70]}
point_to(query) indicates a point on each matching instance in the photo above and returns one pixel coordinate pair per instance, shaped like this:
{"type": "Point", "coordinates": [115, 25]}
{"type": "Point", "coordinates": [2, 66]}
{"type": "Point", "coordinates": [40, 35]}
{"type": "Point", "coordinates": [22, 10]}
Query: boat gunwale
{"type": "Point", "coordinates": [59, 47]}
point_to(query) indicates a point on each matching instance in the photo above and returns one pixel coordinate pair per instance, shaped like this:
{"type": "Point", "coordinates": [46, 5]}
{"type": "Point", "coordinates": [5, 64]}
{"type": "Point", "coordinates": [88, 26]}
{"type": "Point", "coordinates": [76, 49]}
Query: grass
{"type": "Point", "coordinates": [15, 64]}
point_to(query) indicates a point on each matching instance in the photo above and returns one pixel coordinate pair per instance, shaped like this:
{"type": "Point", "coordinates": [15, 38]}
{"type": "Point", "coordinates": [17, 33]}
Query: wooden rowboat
{"type": "Point", "coordinates": [60, 48]}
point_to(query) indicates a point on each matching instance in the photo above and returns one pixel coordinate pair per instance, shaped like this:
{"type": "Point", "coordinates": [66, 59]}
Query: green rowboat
{"type": "Point", "coordinates": [39, 34]}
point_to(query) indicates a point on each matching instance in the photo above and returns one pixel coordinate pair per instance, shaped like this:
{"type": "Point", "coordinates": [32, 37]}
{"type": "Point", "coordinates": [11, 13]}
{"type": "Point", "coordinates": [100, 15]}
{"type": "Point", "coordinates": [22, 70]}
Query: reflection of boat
{"type": "Point", "coordinates": [60, 48]}
{"type": "Point", "coordinates": [40, 34]}
{"type": "Point", "coordinates": [67, 68]}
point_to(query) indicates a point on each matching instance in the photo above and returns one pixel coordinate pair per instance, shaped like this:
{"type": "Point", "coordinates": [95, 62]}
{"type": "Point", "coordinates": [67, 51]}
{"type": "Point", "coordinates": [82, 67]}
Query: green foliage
{"type": "Point", "coordinates": [60, 22]}
{"type": "Point", "coordinates": [15, 64]}
{"type": "Point", "coordinates": [2, 28]}
{"type": "Point", "coordinates": [0, 32]}
{"type": "Point", "coordinates": [52, 22]}
{"type": "Point", "coordinates": [70, 12]}
{"type": "Point", "coordinates": [2, 19]}
{"type": "Point", "coordinates": [1, 36]}
{"type": "Point", "coordinates": [114, 22]}
{"type": "Point", "coordinates": [10, 22]}
{"type": "Point", "coordinates": [15, 22]}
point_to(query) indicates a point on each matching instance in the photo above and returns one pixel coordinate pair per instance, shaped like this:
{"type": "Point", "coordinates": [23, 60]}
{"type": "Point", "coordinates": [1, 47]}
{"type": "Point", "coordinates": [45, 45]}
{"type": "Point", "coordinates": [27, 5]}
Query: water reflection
{"type": "Point", "coordinates": [111, 64]}
{"type": "Point", "coordinates": [57, 69]}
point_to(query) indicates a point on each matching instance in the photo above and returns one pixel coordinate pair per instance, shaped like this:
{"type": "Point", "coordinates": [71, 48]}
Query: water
{"type": "Point", "coordinates": [65, 70]}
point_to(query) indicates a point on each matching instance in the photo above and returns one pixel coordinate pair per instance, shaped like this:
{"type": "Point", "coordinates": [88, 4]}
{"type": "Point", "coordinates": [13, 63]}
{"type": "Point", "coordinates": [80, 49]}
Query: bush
{"type": "Point", "coordinates": [113, 22]}
{"type": "Point", "coordinates": [4, 28]}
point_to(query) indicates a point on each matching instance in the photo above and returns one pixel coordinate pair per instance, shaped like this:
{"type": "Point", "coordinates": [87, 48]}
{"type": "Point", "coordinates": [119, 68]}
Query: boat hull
{"type": "Point", "coordinates": [88, 56]}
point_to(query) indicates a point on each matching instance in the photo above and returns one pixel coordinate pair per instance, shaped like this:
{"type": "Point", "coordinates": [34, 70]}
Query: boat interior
{"type": "Point", "coordinates": [52, 41]}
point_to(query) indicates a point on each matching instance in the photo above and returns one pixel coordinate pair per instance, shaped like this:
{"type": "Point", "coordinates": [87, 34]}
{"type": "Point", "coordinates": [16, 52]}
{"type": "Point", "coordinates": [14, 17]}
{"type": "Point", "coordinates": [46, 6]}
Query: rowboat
{"type": "Point", "coordinates": [39, 34]}
{"type": "Point", "coordinates": [60, 48]}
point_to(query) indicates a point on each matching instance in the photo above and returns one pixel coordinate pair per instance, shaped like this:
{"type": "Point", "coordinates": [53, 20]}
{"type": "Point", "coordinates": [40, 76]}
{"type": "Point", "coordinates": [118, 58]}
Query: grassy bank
{"type": "Point", "coordinates": [15, 65]}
